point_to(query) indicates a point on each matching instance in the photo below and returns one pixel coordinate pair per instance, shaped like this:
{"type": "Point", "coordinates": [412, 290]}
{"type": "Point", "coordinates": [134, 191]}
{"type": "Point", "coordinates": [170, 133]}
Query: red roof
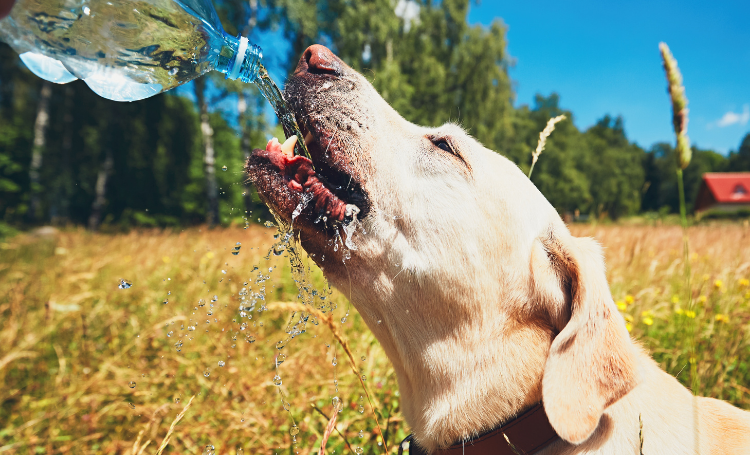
{"type": "Point", "coordinates": [728, 187]}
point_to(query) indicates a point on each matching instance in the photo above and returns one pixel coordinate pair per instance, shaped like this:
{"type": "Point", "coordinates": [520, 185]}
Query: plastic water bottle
{"type": "Point", "coordinates": [126, 50]}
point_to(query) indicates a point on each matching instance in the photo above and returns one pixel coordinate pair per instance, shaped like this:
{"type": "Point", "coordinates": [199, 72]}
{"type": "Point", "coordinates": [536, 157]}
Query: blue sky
{"type": "Point", "coordinates": [602, 57]}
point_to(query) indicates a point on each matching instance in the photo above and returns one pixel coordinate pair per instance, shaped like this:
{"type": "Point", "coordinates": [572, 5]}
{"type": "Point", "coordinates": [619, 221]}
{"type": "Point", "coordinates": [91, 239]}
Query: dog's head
{"type": "Point", "coordinates": [459, 265]}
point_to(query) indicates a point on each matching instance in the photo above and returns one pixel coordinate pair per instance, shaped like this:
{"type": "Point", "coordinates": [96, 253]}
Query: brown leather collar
{"type": "Point", "coordinates": [528, 433]}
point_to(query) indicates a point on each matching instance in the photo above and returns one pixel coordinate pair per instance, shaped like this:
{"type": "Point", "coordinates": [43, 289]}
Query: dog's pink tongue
{"type": "Point", "coordinates": [303, 178]}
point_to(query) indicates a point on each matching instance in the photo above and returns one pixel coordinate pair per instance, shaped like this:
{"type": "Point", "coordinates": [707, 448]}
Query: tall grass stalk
{"type": "Point", "coordinates": [543, 140]}
{"type": "Point", "coordinates": [683, 154]}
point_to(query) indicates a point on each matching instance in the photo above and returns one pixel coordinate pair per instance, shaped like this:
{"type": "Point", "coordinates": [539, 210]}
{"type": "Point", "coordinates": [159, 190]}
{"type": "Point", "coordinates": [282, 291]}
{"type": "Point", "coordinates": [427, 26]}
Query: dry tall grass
{"type": "Point", "coordinates": [87, 367]}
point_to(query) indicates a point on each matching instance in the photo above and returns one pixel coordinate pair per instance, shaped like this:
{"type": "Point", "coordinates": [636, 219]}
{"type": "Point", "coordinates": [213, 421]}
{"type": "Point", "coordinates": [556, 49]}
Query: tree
{"type": "Point", "coordinates": [739, 161]}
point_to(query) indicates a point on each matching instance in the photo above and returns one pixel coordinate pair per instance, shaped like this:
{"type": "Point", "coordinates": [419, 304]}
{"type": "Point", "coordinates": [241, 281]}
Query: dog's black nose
{"type": "Point", "coordinates": [318, 59]}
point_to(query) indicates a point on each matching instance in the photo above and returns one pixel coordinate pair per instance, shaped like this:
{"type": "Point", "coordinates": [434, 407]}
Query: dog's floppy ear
{"type": "Point", "coordinates": [592, 361]}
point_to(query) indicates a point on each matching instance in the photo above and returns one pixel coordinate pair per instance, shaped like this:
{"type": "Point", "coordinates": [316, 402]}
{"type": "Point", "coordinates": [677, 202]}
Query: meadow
{"type": "Point", "coordinates": [90, 365]}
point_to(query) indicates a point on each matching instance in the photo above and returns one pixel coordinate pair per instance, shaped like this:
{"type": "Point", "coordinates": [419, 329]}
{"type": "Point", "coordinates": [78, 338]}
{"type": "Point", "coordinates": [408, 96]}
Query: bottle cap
{"type": "Point", "coordinates": [239, 59]}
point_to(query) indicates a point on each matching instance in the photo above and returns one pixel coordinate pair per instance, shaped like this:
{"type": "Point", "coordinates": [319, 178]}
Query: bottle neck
{"type": "Point", "coordinates": [241, 59]}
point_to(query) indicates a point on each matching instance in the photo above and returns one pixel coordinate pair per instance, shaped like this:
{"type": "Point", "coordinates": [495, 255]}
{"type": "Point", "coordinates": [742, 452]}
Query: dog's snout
{"type": "Point", "coordinates": [318, 59]}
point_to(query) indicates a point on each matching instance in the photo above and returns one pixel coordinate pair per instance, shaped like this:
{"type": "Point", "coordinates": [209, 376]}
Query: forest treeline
{"type": "Point", "coordinates": [68, 156]}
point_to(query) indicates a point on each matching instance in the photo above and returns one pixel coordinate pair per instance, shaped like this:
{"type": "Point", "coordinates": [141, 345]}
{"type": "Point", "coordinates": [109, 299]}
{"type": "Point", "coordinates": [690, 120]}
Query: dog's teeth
{"type": "Point", "coordinates": [288, 146]}
{"type": "Point", "coordinates": [308, 138]}
{"type": "Point", "coordinates": [351, 211]}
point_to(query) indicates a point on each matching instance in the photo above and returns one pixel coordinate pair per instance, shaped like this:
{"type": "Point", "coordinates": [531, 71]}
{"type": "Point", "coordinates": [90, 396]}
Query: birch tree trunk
{"type": "Point", "coordinates": [209, 158]}
{"type": "Point", "coordinates": [40, 133]}
{"type": "Point", "coordinates": [97, 208]}
{"type": "Point", "coordinates": [245, 147]}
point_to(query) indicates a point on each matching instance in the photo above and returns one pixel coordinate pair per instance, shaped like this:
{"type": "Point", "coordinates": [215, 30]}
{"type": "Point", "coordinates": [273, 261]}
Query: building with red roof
{"type": "Point", "coordinates": [724, 191]}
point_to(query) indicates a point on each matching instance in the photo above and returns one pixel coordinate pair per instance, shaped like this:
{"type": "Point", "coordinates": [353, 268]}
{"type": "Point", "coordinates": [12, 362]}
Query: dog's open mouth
{"type": "Point", "coordinates": [321, 190]}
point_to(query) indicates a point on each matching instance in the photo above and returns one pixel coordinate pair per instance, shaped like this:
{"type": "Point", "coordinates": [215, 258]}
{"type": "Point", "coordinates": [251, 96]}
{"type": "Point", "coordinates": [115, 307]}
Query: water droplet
{"type": "Point", "coordinates": [361, 434]}
{"type": "Point", "coordinates": [131, 384]}
{"type": "Point", "coordinates": [209, 450]}
{"type": "Point", "coordinates": [280, 359]}
{"type": "Point", "coordinates": [166, 301]}
{"type": "Point", "coordinates": [277, 380]}
{"type": "Point", "coordinates": [221, 363]}
{"type": "Point", "coordinates": [177, 400]}
{"type": "Point", "coordinates": [173, 71]}
{"type": "Point", "coordinates": [334, 361]}
{"type": "Point", "coordinates": [132, 406]}
{"type": "Point", "coordinates": [364, 358]}
{"type": "Point", "coordinates": [239, 449]}
{"type": "Point", "coordinates": [361, 409]}
{"type": "Point", "coordinates": [269, 224]}
{"type": "Point", "coordinates": [294, 431]}
{"type": "Point", "coordinates": [124, 284]}
{"type": "Point", "coordinates": [359, 450]}
{"type": "Point", "coordinates": [224, 168]}
{"type": "Point", "coordinates": [178, 346]}
{"type": "Point", "coordinates": [250, 339]}
{"type": "Point", "coordinates": [206, 372]}
{"type": "Point", "coordinates": [335, 401]}
{"type": "Point", "coordinates": [364, 378]}
{"type": "Point", "coordinates": [170, 333]}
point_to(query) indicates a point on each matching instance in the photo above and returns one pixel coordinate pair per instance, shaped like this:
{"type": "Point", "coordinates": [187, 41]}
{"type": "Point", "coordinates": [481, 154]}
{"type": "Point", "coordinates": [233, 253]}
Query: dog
{"type": "Point", "coordinates": [488, 308]}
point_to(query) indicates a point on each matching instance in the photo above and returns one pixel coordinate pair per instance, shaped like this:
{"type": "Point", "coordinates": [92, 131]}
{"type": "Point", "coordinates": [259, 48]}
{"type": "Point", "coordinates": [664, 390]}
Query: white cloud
{"type": "Point", "coordinates": [408, 10]}
{"type": "Point", "coordinates": [734, 118]}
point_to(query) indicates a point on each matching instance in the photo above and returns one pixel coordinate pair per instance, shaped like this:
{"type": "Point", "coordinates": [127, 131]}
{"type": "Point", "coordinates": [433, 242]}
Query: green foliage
{"type": "Point", "coordinates": [740, 161]}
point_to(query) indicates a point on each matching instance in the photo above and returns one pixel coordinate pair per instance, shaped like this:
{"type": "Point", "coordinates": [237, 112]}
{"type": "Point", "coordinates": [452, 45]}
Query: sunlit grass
{"type": "Point", "coordinates": [646, 274]}
{"type": "Point", "coordinates": [71, 341]}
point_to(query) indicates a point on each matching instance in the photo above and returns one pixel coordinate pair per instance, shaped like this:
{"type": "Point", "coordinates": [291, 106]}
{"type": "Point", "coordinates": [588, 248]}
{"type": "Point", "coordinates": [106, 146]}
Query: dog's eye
{"type": "Point", "coordinates": [444, 145]}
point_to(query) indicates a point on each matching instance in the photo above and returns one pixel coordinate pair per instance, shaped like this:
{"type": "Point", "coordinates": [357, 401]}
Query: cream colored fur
{"type": "Point", "coordinates": [484, 302]}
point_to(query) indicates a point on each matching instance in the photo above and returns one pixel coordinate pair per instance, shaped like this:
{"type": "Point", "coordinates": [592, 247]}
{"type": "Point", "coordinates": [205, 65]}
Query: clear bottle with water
{"type": "Point", "coordinates": [126, 50]}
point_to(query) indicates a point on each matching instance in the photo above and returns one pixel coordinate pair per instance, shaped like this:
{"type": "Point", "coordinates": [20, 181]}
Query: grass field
{"type": "Point", "coordinates": [87, 367]}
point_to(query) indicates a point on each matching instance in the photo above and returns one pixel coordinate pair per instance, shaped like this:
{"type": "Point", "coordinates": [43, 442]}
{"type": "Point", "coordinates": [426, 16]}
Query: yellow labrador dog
{"type": "Point", "coordinates": [489, 309]}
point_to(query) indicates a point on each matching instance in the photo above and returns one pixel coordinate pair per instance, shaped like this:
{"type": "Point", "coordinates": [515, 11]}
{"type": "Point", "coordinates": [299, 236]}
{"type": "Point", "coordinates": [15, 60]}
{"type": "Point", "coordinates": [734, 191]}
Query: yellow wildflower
{"type": "Point", "coordinates": [165, 259]}
{"type": "Point", "coordinates": [648, 320]}
{"type": "Point", "coordinates": [718, 284]}
{"type": "Point", "coordinates": [629, 326]}
{"type": "Point", "coordinates": [210, 254]}
{"type": "Point", "coordinates": [702, 299]}
{"type": "Point", "coordinates": [678, 310]}
{"type": "Point", "coordinates": [690, 314]}
{"type": "Point", "coordinates": [629, 299]}
{"type": "Point", "coordinates": [675, 298]}
{"type": "Point", "coordinates": [622, 306]}
{"type": "Point", "coordinates": [705, 277]}
{"type": "Point", "coordinates": [721, 318]}
{"type": "Point", "coordinates": [747, 295]}
{"type": "Point", "coordinates": [743, 282]}
{"type": "Point", "coordinates": [629, 318]}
